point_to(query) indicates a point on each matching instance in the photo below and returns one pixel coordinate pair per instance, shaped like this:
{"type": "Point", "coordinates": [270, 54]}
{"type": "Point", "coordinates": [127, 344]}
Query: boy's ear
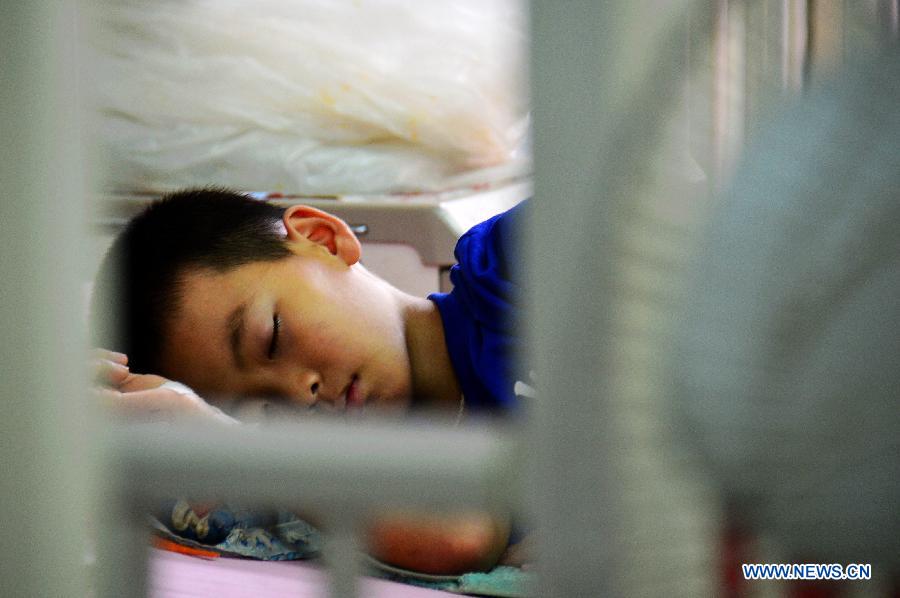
{"type": "Point", "coordinates": [322, 228]}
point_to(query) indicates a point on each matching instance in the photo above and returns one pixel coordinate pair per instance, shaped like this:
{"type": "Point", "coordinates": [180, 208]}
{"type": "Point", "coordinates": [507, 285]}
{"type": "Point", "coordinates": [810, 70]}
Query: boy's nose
{"type": "Point", "coordinates": [308, 386]}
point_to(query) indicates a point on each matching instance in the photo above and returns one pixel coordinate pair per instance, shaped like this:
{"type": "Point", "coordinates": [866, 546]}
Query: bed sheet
{"type": "Point", "coordinates": [174, 575]}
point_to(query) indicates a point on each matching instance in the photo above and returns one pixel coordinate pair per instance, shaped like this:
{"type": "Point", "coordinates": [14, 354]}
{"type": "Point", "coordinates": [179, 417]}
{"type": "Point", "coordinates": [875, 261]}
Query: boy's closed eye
{"type": "Point", "coordinates": [272, 350]}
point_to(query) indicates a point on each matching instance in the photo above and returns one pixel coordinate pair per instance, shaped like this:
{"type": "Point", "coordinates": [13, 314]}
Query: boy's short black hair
{"type": "Point", "coordinates": [138, 285]}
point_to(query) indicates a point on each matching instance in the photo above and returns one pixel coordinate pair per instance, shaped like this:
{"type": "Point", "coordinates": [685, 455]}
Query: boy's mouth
{"type": "Point", "coordinates": [353, 397]}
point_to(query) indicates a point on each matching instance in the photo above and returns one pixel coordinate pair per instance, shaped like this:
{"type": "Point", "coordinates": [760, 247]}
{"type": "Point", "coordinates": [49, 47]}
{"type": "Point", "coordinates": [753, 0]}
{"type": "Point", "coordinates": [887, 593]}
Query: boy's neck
{"type": "Point", "coordinates": [433, 378]}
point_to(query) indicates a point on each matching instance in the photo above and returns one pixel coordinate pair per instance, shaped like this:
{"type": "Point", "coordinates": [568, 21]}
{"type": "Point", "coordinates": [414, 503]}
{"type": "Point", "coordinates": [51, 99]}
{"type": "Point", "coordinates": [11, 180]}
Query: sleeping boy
{"type": "Point", "coordinates": [235, 297]}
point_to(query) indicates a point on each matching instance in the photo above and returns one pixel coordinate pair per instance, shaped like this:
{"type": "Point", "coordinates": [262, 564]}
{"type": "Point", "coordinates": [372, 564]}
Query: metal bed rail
{"type": "Point", "coordinates": [342, 471]}
{"type": "Point", "coordinates": [604, 75]}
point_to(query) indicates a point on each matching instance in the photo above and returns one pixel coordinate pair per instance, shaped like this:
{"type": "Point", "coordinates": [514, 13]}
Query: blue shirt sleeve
{"type": "Point", "coordinates": [481, 313]}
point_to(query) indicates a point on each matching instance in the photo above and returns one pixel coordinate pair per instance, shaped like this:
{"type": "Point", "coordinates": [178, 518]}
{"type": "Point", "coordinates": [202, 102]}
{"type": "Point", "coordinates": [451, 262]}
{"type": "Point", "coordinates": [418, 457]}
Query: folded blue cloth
{"type": "Point", "coordinates": [506, 582]}
{"type": "Point", "coordinates": [264, 535]}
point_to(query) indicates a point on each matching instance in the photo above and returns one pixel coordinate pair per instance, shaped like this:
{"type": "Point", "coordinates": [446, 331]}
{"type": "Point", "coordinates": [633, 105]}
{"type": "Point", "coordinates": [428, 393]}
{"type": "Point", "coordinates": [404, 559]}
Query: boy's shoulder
{"type": "Point", "coordinates": [481, 313]}
{"type": "Point", "coordinates": [489, 250]}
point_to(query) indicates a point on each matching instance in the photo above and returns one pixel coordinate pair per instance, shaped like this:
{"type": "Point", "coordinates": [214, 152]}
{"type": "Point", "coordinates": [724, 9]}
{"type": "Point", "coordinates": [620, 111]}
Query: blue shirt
{"type": "Point", "coordinates": [482, 312]}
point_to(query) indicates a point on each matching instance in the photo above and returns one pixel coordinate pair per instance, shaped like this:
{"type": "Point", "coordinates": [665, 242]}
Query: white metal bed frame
{"type": "Point", "coordinates": [601, 42]}
{"type": "Point", "coordinates": [56, 470]}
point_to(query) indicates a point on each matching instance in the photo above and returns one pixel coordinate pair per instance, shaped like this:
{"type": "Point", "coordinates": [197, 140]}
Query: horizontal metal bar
{"type": "Point", "coordinates": [317, 464]}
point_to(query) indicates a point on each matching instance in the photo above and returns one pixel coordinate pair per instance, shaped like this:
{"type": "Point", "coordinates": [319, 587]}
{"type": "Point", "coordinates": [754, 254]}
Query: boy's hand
{"type": "Point", "coordinates": [148, 397]}
{"type": "Point", "coordinates": [110, 368]}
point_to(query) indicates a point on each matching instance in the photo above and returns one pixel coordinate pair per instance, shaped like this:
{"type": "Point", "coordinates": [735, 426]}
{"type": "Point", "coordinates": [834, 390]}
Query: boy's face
{"type": "Point", "coordinates": [305, 330]}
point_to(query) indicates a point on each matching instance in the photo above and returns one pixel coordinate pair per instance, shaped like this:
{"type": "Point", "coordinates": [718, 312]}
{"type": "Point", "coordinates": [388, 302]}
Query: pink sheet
{"type": "Point", "coordinates": [174, 575]}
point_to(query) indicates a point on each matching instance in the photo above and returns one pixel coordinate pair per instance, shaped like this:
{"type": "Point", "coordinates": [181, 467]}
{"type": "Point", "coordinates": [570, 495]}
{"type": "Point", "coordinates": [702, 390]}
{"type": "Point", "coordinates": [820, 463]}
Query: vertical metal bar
{"type": "Point", "coordinates": [342, 554]}
{"type": "Point", "coordinates": [826, 42]}
{"type": "Point", "coordinates": [603, 75]}
{"type": "Point", "coordinates": [121, 530]}
{"type": "Point", "coordinates": [890, 18]}
{"type": "Point", "coordinates": [729, 79]}
{"type": "Point", "coordinates": [794, 38]}
{"type": "Point", "coordinates": [701, 67]}
{"type": "Point", "coordinates": [44, 498]}
{"type": "Point", "coordinates": [123, 546]}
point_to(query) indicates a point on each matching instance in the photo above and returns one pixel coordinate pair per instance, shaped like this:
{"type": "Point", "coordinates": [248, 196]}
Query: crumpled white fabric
{"type": "Point", "coordinates": [313, 96]}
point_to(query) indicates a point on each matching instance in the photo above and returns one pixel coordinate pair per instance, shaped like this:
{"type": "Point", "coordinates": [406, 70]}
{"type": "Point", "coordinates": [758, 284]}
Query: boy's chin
{"type": "Point", "coordinates": [262, 411]}
{"type": "Point", "coordinates": [433, 410]}
{"type": "Point", "coordinates": [385, 407]}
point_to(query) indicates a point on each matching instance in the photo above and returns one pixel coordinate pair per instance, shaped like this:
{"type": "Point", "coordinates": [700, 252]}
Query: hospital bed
{"type": "Point", "coordinates": [581, 534]}
{"type": "Point", "coordinates": [638, 518]}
